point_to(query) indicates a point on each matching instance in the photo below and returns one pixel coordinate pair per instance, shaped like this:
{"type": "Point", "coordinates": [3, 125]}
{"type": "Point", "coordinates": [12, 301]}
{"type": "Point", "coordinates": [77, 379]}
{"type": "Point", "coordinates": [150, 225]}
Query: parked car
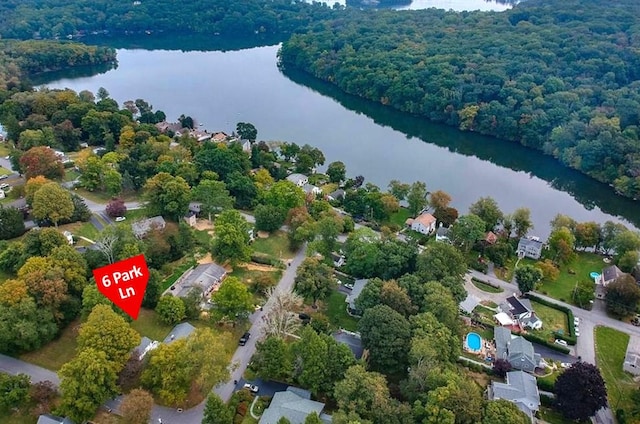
{"type": "Point", "coordinates": [251, 387]}
{"type": "Point", "coordinates": [4, 185]}
{"type": "Point", "coordinates": [121, 218]}
{"type": "Point", "coordinates": [244, 339]}
{"type": "Point", "coordinates": [561, 342]}
{"type": "Point", "coordinates": [348, 285]}
{"type": "Point", "coordinates": [576, 321]}
{"type": "Point", "coordinates": [4, 177]}
{"type": "Point", "coordinates": [565, 364]}
{"type": "Point", "coordinates": [577, 332]}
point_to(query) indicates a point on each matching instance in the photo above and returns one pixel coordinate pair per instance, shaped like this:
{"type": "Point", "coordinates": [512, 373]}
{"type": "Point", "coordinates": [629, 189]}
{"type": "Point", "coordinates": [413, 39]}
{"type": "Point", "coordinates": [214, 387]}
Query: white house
{"type": "Point", "coordinates": [522, 311]}
{"type": "Point", "coordinates": [424, 223]}
{"type": "Point", "coordinates": [298, 179]}
{"type": "Point", "coordinates": [310, 188]}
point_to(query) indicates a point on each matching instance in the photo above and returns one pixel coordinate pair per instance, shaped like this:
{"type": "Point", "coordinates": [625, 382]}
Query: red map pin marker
{"type": "Point", "coordinates": [124, 283]}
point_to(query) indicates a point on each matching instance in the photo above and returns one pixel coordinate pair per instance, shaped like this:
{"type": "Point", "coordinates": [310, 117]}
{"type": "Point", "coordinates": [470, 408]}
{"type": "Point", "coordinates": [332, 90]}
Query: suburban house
{"type": "Point", "coordinates": [338, 260]}
{"type": "Point", "coordinates": [295, 405]}
{"type": "Point", "coordinates": [219, 137]}
{"type": "Point", "coordinates": [520, 311]}
{"type": "Point", "coordinates": [165, 127]}
{"type": "Point", "coordinates": [336, 195]}
{"type": "Point", "coordinates": [191, 219]}
{"type": "Point", "coordinates": [204, 278]}
{"type": "Point", "coordinates": [515, 349]}
{"type": "Point", "coordinates": [298, 179]}
{"type": "Point", "coordinates": [51, 419]}
{"type": "Point", "coordinates": [609, 274]}
{"type": "Point", "coordinates": [631, 362]}
{"type": "Point", "coordinates": [310, 188]}
{"type": "Point", "coordinates": [200, 135]}
{"type": "Point", "coordinates": [180, 331]}
{"type": "Point", "coordinates": [424, 223]}
{"type": "Point", "coordinates": [146, 345]}
{"type": "Point", "coordinates": [530, 247]}
{"type": "Point", "coordinates": [442, 234]}
{"type": "Point", "coordinates": [141, 228]}
{"type": "Point", "coordinates": [521, 389]}
{"type": "Point", "coordinates": [358, 286]}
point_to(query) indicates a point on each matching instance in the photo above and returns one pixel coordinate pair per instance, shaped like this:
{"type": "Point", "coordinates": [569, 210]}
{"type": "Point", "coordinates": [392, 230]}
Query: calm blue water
{"type": "Point", "coordinates": [474, 341]}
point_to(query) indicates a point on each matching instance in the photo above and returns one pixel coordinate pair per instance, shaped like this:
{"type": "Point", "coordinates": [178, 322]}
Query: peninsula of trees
{"type": "Point", "coordinates": [557, 77]}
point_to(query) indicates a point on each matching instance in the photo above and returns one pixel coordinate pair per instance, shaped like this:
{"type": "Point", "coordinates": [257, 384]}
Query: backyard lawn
{"type": "Point", "coordinates": [400, 217]}
{"type": "Point", "coordinates": [275, 246]}
{"type": "Point", "coordinates": [611, 347]}
{"type": "Point", "coordinates": [579, 269]}
{"type": "Point", "coordinates": [55, 354]}
{"type": "Point", "coordinates": [135, 214]}
{"type": "Point", "coordinates": [148, 324]}
{"type": "Point", "coordinates": [336, 311]}
{"type": "Point", "coordinates": [552, 320]}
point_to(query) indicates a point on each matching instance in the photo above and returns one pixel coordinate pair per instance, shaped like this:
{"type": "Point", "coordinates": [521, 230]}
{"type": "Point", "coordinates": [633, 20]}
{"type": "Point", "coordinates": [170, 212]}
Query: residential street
{"type": "Point", "coordinates": [240, 359]}
{"type": "Point", "coordinates": [14, 366]}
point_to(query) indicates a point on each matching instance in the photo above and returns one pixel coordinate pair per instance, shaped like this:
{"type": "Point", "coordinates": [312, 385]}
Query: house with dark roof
{"type": "Point", "coordinates": [609, 274]}
{"type": "Point", "coordinates": [521, 389]}
{"type": "Point", "coordinates": [295, 405]}
{"type": "Point", "coordinates": [530, 247]}
{"type": "Point", "coordinates": [442, 234]}
{"type": "Point", "coordinates": [180, 331]}
{"type": "Point", "coordinates": [521, 310]}
{"type": "Point", "coordinates": [141, 228]}
{"type": "Point", "coordinates": [204, 278]}
{"type": "Point", "coordinates": [52, 419]}
{"type": "Point", "coordinates": [358, 286]}
{"type": "Point", "coordinates": [336, 195]}
{"type": "Point", "coordinates": [515, 349]}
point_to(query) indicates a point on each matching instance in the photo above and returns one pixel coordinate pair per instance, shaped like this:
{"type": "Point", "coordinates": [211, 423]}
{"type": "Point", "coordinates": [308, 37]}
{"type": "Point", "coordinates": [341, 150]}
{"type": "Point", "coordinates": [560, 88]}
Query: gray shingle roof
{"type": "Point", "coordinates": [611, 273]}
{"type": "Point", "coordinates": [358, 286]}
{"type": "Point", "coordinates": [502, 337]}
{"type": "Point", "coordinates": [51, 419]}
{"type": "Point", "coordinates": [293, 404]}
{"type": "Point", "coordinates": [520, 389]}
{"type": "Point", "coordinates": [203, 277]}
{"type": "Point", "coordinates": [297, 179]}
{"type": "Point", "coordinates": [180, 331]}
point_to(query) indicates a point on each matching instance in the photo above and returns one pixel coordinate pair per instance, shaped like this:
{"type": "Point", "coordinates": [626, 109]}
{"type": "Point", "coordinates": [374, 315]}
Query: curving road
{"type": "Point", "coordinates": [239, 361]}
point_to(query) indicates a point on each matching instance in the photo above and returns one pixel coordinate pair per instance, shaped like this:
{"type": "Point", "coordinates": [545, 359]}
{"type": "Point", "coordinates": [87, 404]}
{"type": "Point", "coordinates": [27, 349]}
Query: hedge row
{"type": "Point", "coordinates": [267, 260]}
{"type": "Point", "coordinates": [571, 338]}
{"type": "Point", "coordinates": [475, 367]}
{"type": "Point", "coordinates": [488, 283]}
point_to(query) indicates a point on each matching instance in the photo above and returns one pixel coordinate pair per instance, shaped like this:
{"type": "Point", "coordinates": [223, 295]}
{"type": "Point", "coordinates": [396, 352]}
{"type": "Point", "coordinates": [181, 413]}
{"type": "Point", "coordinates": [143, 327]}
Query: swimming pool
{"type": "Point", "coordinates": [594, 275]}
{"type": "Point", "coordinates": [474, 342]}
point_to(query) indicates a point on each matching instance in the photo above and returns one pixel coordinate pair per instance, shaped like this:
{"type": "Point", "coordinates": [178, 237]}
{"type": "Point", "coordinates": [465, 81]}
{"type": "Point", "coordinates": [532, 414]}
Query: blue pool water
{"type": "Point", "coordinates": [594, 275]}
{"type": "Point", "coordinates": [474, 342]}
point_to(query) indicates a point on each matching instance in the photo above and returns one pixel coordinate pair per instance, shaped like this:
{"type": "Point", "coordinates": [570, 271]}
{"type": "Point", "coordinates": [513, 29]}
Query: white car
{"type": "Point", "coordinates": [565, 364]}
{"type": "Point", "coordinates": [577, 332]}
{"type": "Point", "coordinates": [4, 185]}
{"type": "Point", "coordinates": [121, 218]}
{"type": "Point", "coordinates": [561, 342]}
{"type": "Point", "coordinates": [251, 387]}
{"type": "Point", "coordinates": [576, 321]}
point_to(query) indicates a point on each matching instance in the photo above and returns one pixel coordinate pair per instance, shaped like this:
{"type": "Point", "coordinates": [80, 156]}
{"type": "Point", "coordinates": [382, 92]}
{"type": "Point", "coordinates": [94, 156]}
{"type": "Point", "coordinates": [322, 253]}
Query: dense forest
{"type": "Point", "coordinates": [561, 77]}
{"type": "Point", "coordinates": [19, 59]}
{"type": "Point", "coordinates": [26, 19]}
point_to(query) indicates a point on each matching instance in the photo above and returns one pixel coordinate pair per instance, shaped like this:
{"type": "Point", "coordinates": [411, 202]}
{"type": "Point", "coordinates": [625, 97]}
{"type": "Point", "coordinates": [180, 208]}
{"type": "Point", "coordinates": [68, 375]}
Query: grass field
{"type": "Point", "coordinates": [276, 246]}
{"type": "Point", "coordinates": [400, 217]}
{"type": "Point", "coordinates": [485, 287]}
{"type": "Point", "coordinates": [611, 347]}
{"type": "Point", "coordinates": [577, 270]}
{"type": "Point", "coordinates": [552, 319]}
{"type": "Point", "coordinates": [178, 271]}
{"type": "Point", "coordinates": [58, 352]}
{"type": "Point", "coordinates": [553, 417]}
{"type": "Point", "coordinates": [148, 324]}
{"type": "Point", "coordinates": [134, 214]}
{"type": "Point", "coordinates": [336, 311]}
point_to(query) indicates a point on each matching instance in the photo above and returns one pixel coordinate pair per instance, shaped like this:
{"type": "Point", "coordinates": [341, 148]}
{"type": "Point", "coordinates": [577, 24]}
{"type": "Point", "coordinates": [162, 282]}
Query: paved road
{"type": "Point", "coordinates": [240, 359]}
{"type": "Point", "coordinates": [14, 366]}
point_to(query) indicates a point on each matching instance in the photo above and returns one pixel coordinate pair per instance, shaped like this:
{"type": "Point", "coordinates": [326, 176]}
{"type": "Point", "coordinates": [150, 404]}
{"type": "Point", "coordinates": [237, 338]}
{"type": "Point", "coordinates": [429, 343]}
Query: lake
{"type": "Point", "coordinates": [221, 88]}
